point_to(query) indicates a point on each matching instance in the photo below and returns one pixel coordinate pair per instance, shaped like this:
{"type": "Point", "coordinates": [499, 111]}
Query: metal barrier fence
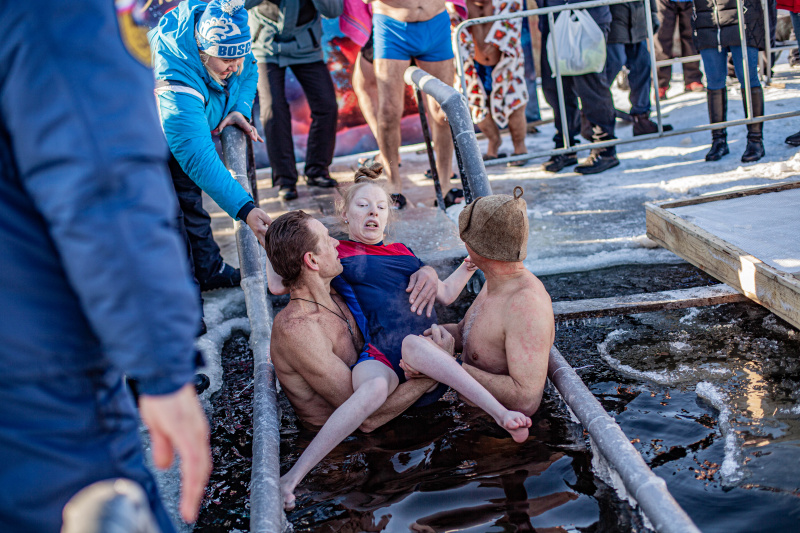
{"type": "Point", "coordinates": [266, 505]}
{"type": "Point", "coordinates": [646, 488]}
{"type": "Point", "coordinates": [569, 149]}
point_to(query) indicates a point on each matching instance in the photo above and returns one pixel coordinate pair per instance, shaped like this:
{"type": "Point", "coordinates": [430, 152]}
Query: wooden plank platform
{"type": "Point", "coordinates": [748, 239]}
{"type": "Point", "coordinates": [647, 302]}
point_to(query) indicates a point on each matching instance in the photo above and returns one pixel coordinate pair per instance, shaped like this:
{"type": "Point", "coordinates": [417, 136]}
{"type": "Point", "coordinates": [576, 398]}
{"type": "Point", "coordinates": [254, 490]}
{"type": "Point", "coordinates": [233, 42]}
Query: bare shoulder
{"type": "Point", "coordinates": [530, 296]}
{"type": "Point", "coordinates": [294, 333]}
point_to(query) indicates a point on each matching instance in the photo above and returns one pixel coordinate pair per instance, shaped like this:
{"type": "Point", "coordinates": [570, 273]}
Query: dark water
{"type": "Point", "coordinates": [729, 448]}
{"type": "Point", "coordinates": [226, 506]}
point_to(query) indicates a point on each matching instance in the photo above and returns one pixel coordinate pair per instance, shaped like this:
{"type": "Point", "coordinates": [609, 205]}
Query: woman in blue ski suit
{"type": "Point", "coordinates": [206, 80]}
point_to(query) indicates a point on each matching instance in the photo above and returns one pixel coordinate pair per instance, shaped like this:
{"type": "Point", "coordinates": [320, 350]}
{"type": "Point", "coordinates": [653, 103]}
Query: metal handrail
{"type": "Point", "coordinates": [649, 491]}
{"type": "Point", "coordinates": [568, 149]}
{"type": "Point", "coordinates": [266, 504]}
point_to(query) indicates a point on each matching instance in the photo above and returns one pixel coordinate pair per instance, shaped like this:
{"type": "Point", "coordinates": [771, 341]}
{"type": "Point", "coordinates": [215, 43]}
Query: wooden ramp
{"type": "Point", "coordinates": [748, 239]}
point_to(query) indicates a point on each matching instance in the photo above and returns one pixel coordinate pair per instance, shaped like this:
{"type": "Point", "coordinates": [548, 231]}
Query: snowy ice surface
{"type": "Point", "coordinates": [731, 470]}
{"type": "Point", "coordinates": [587, 222]}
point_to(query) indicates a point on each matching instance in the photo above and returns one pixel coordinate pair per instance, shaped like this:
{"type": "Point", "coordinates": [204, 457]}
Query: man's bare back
{"type": "Point", "coordinates": [319, 332]}
{"type": "Point", "coordinates": [408, 10]}
{"type": "Point", "coordinates": [507, 332]}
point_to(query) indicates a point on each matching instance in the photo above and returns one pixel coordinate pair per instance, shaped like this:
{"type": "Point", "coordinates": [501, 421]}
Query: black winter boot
{"type": "Point", "coordinates": [755, 144]}
{"type": "Point", "coordinates": [599, 160]}
{"type": "Point", "coordinates": [642, 125]}
{"type": "Point", "coordinates": [718, 112]}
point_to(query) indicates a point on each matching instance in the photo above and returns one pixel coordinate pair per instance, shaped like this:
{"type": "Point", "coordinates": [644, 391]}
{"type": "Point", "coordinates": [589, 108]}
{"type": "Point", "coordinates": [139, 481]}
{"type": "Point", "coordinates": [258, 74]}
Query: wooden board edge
{"type": "Point", "coordinates": [762, 189]}
{"type": "Point", "coordinates": [727, 263]}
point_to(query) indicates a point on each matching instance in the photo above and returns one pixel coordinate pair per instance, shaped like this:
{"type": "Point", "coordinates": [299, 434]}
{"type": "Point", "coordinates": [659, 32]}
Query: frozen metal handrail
{"type": "Point", "coordinates": [749, 119]}
{"type": "Point", "coordinates": [266, 508]}
{"type": "Point", "coordinates": [455, 106]}
{"type": "Point", "coordinates": [649, 490]}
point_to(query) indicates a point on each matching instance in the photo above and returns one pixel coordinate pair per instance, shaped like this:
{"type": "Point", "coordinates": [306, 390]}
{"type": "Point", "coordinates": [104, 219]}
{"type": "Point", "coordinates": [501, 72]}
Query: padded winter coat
{"type": "Point", "coordinates": [192, 104]}
{"type": "Point", "coordinates": [629, 24]}
{"type": "Point", "coordinates": [276, 36]}
{"type": "Point", "coordinates": [715, 24]}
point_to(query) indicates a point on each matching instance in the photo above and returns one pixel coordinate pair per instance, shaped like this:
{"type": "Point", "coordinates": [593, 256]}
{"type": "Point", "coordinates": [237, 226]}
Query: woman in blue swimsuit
{"type": "Point", "coordinates": [376, 275]}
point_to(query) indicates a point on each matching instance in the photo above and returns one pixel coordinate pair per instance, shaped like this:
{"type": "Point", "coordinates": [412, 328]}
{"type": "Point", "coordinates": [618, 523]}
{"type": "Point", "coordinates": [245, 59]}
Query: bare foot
{"type": "Point", "coordinates": [517, 424]}
{"type": "Point", "coordinates": [287, 493]}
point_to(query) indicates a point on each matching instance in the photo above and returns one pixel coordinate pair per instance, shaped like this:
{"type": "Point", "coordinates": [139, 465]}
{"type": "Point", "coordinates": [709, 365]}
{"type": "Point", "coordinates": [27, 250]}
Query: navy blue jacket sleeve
{"type": "Point", "coordinates": [93, 161]}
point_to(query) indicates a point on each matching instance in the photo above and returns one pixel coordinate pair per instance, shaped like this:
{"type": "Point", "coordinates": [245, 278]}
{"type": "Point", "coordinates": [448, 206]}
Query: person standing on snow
{"type": "Point", "coordinates": [94, 278]}
{"type": "Point", "coordinates": [716, 33]}
{"type": "Point", "coordinates": [206, 80]}
{"type": "Point", "coordinates": [288, 34]}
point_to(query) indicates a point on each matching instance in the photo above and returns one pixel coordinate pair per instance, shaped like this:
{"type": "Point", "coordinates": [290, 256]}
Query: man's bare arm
{"type": "Point", "coordinates": [455, 331]}
{"type": "Point", "coordinates": [309, 352]}
{"type": "Point", "coordinates": [528, 338]}
{"type": "Point", "coordinates": [401, 399]}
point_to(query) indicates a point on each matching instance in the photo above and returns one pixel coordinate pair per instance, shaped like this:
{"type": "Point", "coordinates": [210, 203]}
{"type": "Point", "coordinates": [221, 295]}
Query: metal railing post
{"type": "Point", "coordinates": [653, 69]}
{"type": "Point", "coordinates": [562, 109]}
{"type": "Point", "coordinates": [649, 490]}
{"type": "Point", "coordinates": [266, 504]}
{"type": "Point", "coordinates": [745, 62]}
{"type": "Point", "coordinates": [455, 107]}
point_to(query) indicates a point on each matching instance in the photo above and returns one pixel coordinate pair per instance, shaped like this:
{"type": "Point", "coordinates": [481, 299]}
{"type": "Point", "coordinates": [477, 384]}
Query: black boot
{"type": "Point", "coordinates": [557, 162]}
{"type": "Point", "coordinates": [599, 160]}
{"type": "Point", "coordinates": [718, 112]}
{"type": "Point", "coordinates": [793, 140]}
{"type": "Point", "coordinates": [755, 144]}
{"type": "Point", "coordinates": [642, 125]}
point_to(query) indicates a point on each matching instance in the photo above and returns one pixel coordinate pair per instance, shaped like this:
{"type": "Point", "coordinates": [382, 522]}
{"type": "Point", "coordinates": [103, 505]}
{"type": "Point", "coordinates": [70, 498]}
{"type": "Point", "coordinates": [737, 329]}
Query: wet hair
{"type": "Point", "coordinates": [288, 239]}
{"type": "Point", "coordinates": [364, 176]}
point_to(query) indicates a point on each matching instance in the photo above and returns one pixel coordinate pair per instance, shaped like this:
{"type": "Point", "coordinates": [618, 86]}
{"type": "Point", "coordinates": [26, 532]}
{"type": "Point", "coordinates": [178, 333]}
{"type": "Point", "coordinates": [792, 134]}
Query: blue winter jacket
{"type": "Point", "coordinates": [188, 118]}
{"type": "Point", "coordinates": [93, 273]}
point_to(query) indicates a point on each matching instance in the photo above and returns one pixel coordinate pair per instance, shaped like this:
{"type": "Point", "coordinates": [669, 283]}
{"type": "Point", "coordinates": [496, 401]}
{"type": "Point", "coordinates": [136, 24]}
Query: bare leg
{"type": "Point", "coordinates": [391, 90]}
{"type": "Point", "coordinates": [492, 132]}
{"type": "Point", "coordinates": [373, 382]}
{"type": "Point", "coordinates": [518, 127]}
{"type": "Point", "coordinates": [441, 134]}
{"type": "Point", "coordinates": [431, 360]}
{"type": "Point", "coordinates": [366, 88]}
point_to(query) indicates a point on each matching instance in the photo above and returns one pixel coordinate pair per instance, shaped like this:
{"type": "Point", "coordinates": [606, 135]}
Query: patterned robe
{"type": "Point", "coordinates": [509, 90]}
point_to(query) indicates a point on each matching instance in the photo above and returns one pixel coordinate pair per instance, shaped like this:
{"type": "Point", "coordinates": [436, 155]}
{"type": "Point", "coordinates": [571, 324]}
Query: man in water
{"type": "Point", "coordinates": [506, 335]}
{"type": "Point", "coordinates": [404, 30]}
{"type": "Point", "coordinates": [316, 339]}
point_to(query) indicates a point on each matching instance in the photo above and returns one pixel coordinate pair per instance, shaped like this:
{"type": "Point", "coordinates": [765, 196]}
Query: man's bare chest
{"type": "Point", "coordinates": [483, 337]}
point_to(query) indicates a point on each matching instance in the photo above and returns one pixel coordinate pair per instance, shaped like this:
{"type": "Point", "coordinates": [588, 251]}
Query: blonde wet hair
{"type": "Point", "coordinates": [364, 177]}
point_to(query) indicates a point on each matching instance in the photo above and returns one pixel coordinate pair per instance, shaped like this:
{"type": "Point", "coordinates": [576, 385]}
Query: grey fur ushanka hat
{"type": "Point", "coordinates": [496, 226]}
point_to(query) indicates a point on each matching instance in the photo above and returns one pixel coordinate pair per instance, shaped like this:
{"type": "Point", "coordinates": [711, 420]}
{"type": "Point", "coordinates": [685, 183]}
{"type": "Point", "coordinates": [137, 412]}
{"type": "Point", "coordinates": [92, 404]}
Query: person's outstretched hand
{"type": "Point", "coordinates": [237, 119]}
{"type": "Point", "coordinates": [423, 285]}
{"type": "Point", "coordinates": [177, 423]}
{"type": "Point", "coordinates": [259, 222]}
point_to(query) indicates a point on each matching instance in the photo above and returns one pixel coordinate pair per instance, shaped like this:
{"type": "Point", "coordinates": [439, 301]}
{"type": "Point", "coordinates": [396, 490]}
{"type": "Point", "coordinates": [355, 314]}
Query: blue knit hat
{"type": "Point", "coordinates": [222, 30]}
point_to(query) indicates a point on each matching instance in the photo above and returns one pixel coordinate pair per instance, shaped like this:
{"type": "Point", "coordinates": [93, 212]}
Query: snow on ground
{"type": "Point", "coordinates": [585, 222]}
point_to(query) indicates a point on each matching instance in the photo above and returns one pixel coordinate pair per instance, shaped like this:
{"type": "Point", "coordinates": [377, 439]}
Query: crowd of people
{"type": "Point", "coordinates": [106, 245]}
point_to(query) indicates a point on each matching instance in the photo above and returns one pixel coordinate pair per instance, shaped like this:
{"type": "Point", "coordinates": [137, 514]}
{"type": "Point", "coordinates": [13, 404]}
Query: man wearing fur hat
{"type": "Point", "coordinates": [506, 334]}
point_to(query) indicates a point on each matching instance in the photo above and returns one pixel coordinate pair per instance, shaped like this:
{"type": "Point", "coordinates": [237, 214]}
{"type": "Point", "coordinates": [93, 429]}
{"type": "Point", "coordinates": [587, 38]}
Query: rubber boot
{"type": "Point", "coordinates": [755, 144]}
{"type": "Point", "coordinates": [718, 112]}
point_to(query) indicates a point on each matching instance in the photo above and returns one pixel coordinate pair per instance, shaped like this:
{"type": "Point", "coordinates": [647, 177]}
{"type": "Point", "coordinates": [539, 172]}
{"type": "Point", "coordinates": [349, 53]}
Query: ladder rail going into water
{"type": "Point", "coordinates": [649, 490]}
{"type": "Point", "coordinates": [266, 506]}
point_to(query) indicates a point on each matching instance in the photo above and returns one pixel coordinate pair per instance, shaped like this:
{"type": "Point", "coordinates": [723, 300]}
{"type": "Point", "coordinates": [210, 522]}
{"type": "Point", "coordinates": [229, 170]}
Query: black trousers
{"type": "Point", "coordinates": [194, 222]}
{"type": "Point", "coordinates": [594, 94]}
{"type": "Point", "coordinates": [671, 13]}
{"type": "Point", "coordinates": [276, 117]}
